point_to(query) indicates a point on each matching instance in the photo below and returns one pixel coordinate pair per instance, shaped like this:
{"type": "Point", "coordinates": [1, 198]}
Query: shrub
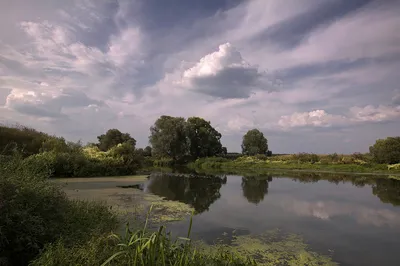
{"type": "Point", "coordinates": [34, 212]}
{"type": "Point", "coordinates": [386, 150]}
{"type": "Point", "coordinates": [394, 166]}
{"type": "Point", "coordinates": [306, 157]}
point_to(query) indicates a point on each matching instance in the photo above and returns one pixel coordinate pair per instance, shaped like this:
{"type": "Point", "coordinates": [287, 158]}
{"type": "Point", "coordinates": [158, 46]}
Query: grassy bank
{"type": "Point", "coordinates": [308, 162]}
{"type": "Point", "coordinates": [40, 225]}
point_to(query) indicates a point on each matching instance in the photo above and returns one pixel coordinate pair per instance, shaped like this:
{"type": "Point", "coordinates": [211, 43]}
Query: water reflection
{"type": "Point", "coordinates": [387, 190]}
{"type": "Point", "coordinates": [198, 191]}
{"type": "Point", "coordinates": [255, 188]}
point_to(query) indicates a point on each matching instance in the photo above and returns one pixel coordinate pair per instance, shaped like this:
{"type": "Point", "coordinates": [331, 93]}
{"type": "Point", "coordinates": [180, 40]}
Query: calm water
{"type": "Point", "coordinates": [358, 220]}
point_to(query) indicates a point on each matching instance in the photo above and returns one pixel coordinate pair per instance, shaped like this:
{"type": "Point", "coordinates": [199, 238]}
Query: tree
{"type": "Point", "coordinates": [168, 137]}
{"type": "Point", "coordinates": [113, 137]}
{"type": "Point", "coordinates": [386, 150]}
{"type": "Point", "coordinates": [254, 143]}
{"type": "Point", "coordinates": [204, 140]}
{"type": "Point", "coordinates": [147, 151]}
{"type": "Point", "coordinates": [132, 158]}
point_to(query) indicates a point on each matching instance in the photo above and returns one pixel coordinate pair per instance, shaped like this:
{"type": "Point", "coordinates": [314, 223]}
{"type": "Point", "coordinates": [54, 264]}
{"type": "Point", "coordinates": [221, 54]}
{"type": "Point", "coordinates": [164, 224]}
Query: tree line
{"type": "Point", "coordinates": [176, 138]}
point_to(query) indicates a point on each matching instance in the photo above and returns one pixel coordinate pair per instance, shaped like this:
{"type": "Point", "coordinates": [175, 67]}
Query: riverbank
{"type": "Point", "coordinates": [41, 225]}
{"type": "Point", "coordinates": [249, 163]}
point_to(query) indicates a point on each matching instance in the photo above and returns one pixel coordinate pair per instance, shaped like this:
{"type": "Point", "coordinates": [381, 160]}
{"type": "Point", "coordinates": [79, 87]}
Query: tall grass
{"type": "Point", "coordinates": [139, 247]}
{"type": "Point", "coordinates": [302, 161]}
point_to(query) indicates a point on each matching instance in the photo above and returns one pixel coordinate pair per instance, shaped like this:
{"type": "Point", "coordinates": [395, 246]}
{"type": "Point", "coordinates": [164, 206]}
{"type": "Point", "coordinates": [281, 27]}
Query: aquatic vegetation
{"type": "Point", "coordinates": [167, 210]}
{"type": "Point", "coordinates": [276, 248]}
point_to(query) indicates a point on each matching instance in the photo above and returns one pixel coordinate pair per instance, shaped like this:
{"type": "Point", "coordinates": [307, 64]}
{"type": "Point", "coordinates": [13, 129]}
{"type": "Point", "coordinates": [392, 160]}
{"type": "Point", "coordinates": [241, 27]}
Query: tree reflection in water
{"type": "Point", "coordinates": [255, 188]}
{"type": "Point", "coordinates": [387, 190]}
{"type": "Point", "coordinates": [199, 191]}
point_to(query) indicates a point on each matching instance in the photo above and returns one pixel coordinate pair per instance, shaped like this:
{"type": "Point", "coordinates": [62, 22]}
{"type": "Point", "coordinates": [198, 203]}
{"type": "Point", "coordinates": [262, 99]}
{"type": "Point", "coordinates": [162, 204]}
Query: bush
{"type": "Point", "coordinates": [34, 212]}
{"type": "Point", "coordinates": [386, 150]}
{"type": "Point", "coordinates": [306, 157]}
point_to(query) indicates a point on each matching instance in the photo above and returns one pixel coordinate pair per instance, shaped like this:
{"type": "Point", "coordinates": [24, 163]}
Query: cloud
{"type": "Point", "coordinates": [47, 104]}
{"type": "Point", "coordinates": [317, 118]}
{"type": "Point", "coordinates": [326, 210]}
{"type": "Point", "coordinates": [225, 74]}
{"type": "Point", "coordinates": [356, 115]}
{"type": "Point", "coordinates": [78, 68]}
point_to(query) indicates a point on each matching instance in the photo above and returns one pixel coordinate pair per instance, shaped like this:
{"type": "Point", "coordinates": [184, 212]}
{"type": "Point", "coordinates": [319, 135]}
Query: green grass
{"type": "Point", "coordinates": [296, 162]}
{"type": "Point", "coordinates": [138, 247]}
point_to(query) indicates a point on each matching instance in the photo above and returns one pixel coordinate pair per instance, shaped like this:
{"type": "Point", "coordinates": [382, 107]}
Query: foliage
{"type": "Point", "coordinates": [306, 157]}
{"type": "Point", "coordinates": [113, 137]}
{"type": "Point", "coordinates": [204, 140]}
{"type": "Point", "coordinates": [34, 212]}
{"type": "Point", "coordinates": [163, 162]}
{"type": "Point", "coordinates": [25, 140]}
{"type": "Point", "coordinates": [394, 166]}
{"type": "Point", "coordinates": [138, 247]}
{"type": "Point", "coordinates": [254, 143]}
{"type": "Point", "coordinates": [147, 151]}
{"type": "Point", "coordinates": [302, 161]}
{"type": "Point", "coordinates": [386, 150]}
{"type": "Point", "coordinates": [168, 137]}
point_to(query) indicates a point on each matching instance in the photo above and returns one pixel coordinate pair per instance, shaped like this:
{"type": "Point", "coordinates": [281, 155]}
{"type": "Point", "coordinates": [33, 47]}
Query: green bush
{"type": "Point", "coordinates": [306, 157]}
{"type": "Point", "coordinates": [386, 150]}
{"type": "Point", "coordinates": [34, 212]}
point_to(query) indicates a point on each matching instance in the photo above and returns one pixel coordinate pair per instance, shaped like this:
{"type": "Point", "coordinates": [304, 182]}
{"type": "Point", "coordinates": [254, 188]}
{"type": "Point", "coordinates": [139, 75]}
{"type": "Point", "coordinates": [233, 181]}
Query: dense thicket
{"type": "Point", "coordinates": [386, 150]}
{"type": "Point", "coordinates": [33, 213]}
{"type": "Point", "coordinates": [27, 140]}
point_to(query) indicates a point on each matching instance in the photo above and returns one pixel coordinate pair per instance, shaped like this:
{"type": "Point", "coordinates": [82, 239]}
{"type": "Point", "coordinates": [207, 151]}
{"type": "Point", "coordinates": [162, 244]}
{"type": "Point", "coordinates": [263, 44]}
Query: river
{"type": "Point", "coordinates": [353, 219]}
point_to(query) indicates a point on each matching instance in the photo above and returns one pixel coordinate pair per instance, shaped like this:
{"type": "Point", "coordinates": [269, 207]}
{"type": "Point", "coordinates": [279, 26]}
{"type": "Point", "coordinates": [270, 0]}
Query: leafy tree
{"type": "Point", "coordinates": [147, 151]}
{"type": "Point", "coordinates": [254, 143]}
{"type": "Point", "coordinates": [132, 158]}
{"type": "Point", "coordinates": [204, 140]}
{"type": "Point", "coordinates": [113, 137]}
{"type": "Point", "coordinates": [25, 140]}
{"type": "Point", "coordinates": [55, 145]}
{"type": "Point", "coordinates": [386, 150]}
{"type": "Point", "coordinates": [168, 137]}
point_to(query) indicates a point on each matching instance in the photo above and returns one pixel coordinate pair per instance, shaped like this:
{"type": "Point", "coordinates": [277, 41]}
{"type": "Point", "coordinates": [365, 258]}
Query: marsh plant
{"type": "Point", "coordinates": [139, 247]}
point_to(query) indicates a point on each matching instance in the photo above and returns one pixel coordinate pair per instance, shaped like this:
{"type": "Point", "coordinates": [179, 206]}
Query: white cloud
{"type": "Point", "coordinates": [125, 45]}
{"type": "Point", "coordinates": [89, 61]}
{"type": "Point", "coordinates": [356, 115]}
{"type": "Point", "coordinates": [316, 118]}
{"type": "Point", "coordinates": [325, 210]}
{"type": "Point", "coordinates": [371, 113]}
{"type": "Point", "coordinates": [225, 74]}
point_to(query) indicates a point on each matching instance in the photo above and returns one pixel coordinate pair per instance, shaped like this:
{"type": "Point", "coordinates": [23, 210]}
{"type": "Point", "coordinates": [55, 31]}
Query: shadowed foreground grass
{"type": "Point", "coordinates": [138, 247]}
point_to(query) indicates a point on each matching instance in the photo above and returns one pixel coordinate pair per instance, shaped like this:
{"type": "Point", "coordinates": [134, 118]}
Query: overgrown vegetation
{"type": "Point", "coordinates": [115, 154]}
{"type": "Point", "coordinates": [38, 222]}
{"type": "Point", "coordinates": [303, 161]}
{"type": "Point", "coordinates": [138, 247]}
{"type": "Point", "coordinates": [34, 213]}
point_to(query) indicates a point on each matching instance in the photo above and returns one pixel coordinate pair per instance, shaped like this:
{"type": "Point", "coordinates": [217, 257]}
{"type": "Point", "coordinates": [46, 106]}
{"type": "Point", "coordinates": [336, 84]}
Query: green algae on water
{"type": "Point", "coordinates": [275, 248]}
{"type": "Point", "coordinates": [270, 248]}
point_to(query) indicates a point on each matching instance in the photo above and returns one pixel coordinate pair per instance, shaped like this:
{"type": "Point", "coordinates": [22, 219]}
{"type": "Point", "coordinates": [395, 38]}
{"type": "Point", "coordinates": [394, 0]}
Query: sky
{"type": "Point", "coordinates": [313, 76]}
